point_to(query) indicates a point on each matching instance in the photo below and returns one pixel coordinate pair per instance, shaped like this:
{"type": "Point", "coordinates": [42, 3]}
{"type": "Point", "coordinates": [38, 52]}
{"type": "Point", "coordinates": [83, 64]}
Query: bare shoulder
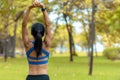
{"type": "Point", "coordinates": [29, 45]}
{"type": "Point", "coordinates": [46, 47]}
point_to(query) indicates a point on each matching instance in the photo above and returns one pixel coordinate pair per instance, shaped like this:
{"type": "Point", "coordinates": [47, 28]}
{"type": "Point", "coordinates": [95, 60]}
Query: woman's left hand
{"type": "Point", "coordinates": [32, 6]}
{"type": "Point", "coordinates": [38, 4]}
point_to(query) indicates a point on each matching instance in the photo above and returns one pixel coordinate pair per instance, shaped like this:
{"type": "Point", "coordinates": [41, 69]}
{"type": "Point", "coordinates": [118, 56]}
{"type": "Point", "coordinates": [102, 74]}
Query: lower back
{"type": "Point", "coordinates": [38, 69]}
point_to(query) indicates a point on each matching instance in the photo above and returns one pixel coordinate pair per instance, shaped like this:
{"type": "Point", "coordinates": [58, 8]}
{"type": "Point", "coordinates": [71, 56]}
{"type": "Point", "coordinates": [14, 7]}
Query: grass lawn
{"type": "Point", "coordinates": [61, 69]}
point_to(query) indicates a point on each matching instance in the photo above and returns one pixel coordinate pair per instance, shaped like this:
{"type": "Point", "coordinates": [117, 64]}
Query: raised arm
{"type": "Point", "coordinates": [48, 30]}
{"type": "Point", "coordinates": [47, 39]}
{"type": "Point", "coordinates": [24, 26]}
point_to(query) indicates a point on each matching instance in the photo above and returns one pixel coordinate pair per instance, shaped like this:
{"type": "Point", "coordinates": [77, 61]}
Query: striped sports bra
{"type": "Point", "coordinates": [40, 60]}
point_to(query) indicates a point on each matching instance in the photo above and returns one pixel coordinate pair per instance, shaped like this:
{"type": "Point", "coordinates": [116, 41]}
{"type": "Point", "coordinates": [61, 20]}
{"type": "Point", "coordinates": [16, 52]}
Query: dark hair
{"type": "Point", "coordinates": [38, 32]}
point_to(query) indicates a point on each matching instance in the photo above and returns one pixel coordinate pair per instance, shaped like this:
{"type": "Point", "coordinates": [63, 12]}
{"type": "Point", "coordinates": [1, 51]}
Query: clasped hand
{"type": "Point", "coordinates": [36, 4]}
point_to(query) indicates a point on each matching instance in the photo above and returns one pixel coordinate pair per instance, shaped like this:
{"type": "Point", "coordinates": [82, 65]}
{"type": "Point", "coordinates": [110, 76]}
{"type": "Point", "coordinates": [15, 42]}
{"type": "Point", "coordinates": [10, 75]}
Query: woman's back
{"type": "Point", "coordinates": [37, 65]}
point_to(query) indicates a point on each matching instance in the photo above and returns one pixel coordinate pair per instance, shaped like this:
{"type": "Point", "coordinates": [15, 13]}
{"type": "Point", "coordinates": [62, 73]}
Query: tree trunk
{"type": "Point", "coordinates": [6, 40]}
{"type": "Point", "coordinates": [1, 47]}
{"type": "Point", "coordinates": [14, 40]}
{"type": "Point", "coordinates": [15, 29]}
{"type": "Point", "coordinates": [96, 53]}
{"type": "Point", "coordinates": [70, 37]}
{"type": "Point", "coordinates": [6, 49]}
{"type": "Point", "coordinates": [73, 47]}
{"type": "Point", "coordinates": [70, 43]}
{"type": "Point", "coordinates": [92, 31]}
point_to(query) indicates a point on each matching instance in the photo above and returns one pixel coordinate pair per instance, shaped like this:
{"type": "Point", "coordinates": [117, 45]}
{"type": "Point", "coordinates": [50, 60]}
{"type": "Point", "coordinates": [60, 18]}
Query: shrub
{"type": "Point", "coordinates": [112, 53]}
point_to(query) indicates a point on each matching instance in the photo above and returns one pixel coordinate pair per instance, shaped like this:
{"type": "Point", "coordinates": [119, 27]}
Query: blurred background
{"type": "Point", "coordinates": [81, 30]}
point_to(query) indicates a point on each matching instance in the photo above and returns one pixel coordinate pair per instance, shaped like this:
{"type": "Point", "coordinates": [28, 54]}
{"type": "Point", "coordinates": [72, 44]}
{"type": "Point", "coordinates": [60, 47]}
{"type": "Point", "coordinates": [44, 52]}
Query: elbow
{"type": "Point", "coordinates": [48, 24]}
{"type": "Point", "coordinates": [23, 24]}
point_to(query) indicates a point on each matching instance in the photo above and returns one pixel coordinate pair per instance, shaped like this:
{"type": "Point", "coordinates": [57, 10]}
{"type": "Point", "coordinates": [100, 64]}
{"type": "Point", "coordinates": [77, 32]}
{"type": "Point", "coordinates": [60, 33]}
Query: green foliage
{"type": "Point", "coordinates": [107, 18]}
{"type": "Point", "coordinates": [108, 22]}
{"type": "Point", "coordinates": [8, 12]}
{"type": "Point", "coordinates": [60, 37]}
{"type": "Point", "coordinates": [112, 53]}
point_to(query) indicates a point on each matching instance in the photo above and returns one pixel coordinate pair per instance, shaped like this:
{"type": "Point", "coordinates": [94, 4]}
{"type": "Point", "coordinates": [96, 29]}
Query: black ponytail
{"type": "Point", "coordinates": [38, 44]}
{"type": "Point", "coordinates": [38, 32]}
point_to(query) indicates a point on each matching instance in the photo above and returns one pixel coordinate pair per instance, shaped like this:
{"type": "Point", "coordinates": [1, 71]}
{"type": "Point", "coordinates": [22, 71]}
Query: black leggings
{"type": "Point", "coordinates": [37, 77]}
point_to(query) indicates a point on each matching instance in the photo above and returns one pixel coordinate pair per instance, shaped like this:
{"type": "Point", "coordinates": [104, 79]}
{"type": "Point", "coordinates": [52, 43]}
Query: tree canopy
{"type": "Point", "coordinates": [107, 20]}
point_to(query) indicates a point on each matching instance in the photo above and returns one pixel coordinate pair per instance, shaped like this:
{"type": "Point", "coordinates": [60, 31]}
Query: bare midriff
{"type": "Point", "coordinates": [38, 69]}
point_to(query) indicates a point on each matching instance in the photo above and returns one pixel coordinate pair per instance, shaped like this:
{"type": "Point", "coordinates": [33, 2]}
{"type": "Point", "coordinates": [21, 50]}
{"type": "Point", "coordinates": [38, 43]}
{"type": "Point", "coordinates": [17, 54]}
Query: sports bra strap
{"type": "Point", "coordinates": [29, 51]}
{"type": "Point", "coordinates": [45, 52]}
{"type": "Point", "coordinates": [39, 58]}
{"type": "Point", "coordinates": [38, 63]}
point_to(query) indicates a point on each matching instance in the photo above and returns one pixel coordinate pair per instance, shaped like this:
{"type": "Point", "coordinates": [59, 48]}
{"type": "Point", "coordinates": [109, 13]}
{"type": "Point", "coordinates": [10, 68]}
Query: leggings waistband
{"type": "Point", "coordinates": [38, 77]}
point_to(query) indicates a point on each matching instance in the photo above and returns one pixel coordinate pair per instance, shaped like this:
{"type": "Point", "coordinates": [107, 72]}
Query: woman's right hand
{"type": "Point", "coordinates": [38, 4]}
{"type": "Point", "coordinates": [34, 4]}
{"type": "Point", "coordinates": [31, 6]}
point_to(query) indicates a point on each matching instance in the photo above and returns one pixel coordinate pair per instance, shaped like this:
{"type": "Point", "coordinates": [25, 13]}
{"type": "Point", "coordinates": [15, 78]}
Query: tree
{"type": "Point", "coordinates": [108, 25]}
{"type": "Point", "coordinates": [92, 38]}
{"type": "Point", "coordinates": [66, 13]}
{"type": "Point", "coordinates": [6, 13]}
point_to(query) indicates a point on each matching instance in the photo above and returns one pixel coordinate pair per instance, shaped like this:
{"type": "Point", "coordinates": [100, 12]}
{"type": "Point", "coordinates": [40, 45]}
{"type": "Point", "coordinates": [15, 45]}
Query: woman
{"type": "Point", "coordinates": [37, 51]}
